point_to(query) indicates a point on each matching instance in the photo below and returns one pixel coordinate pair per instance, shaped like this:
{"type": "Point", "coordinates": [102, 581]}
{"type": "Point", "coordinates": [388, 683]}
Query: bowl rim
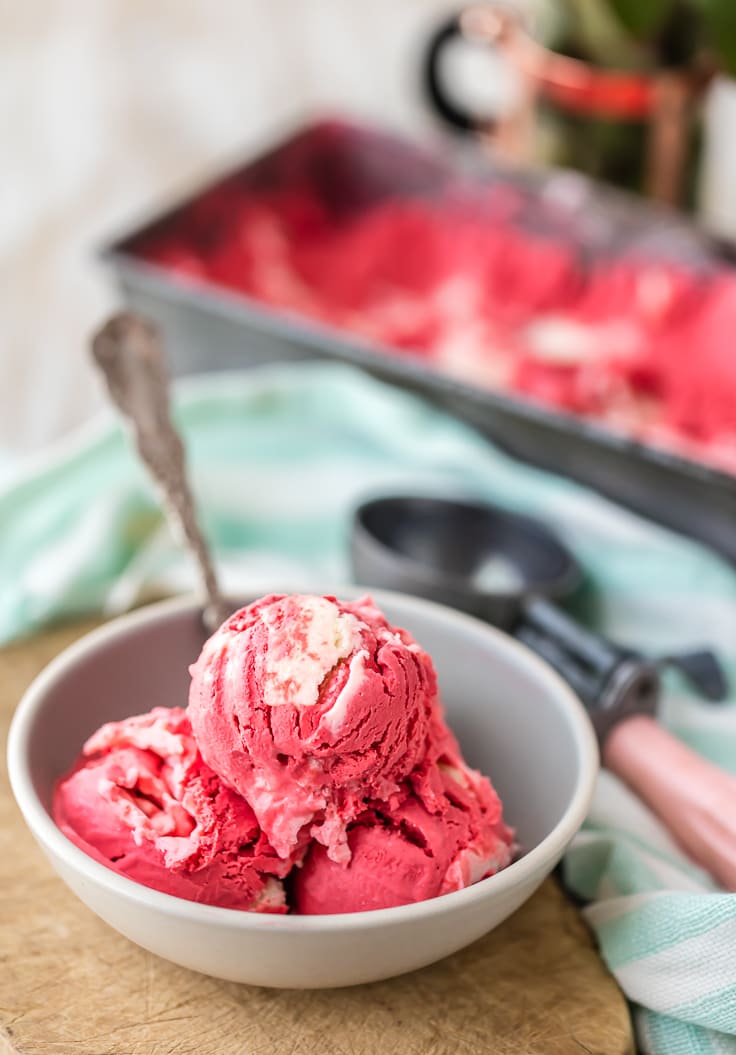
{"type": "Point", "coordinates": [54, 842]}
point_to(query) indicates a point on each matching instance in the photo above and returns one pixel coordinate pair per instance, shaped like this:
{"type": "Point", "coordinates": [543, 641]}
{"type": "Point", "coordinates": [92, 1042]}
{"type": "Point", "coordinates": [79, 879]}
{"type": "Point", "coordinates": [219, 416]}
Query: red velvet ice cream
{"type": "Point", "coordinates": [142, 801]}
{"type": "Point", "coordinates": [314, 734]}
{"type": "Point", "coordinates": [641, 345]}
{"type": "Point", "coordinates": [308, 707]}
{"type": "Point", "coordinates": [409, 853]}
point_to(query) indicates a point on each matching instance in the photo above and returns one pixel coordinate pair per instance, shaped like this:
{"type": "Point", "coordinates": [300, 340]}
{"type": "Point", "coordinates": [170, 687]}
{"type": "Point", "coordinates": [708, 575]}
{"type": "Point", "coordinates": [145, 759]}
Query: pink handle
{"type": "Point", "coordinates": [693, 798]}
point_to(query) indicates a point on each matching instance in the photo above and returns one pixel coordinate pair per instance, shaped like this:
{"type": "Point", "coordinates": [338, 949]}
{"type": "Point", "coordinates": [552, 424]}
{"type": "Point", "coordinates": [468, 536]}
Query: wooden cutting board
{"type": "Point", "coordinates": [69, 985]}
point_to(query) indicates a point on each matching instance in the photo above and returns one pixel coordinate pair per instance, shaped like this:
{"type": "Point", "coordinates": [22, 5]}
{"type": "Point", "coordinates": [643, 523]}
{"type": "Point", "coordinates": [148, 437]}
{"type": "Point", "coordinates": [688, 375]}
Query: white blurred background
{"type": "Point", "coordinates": [110, 108]}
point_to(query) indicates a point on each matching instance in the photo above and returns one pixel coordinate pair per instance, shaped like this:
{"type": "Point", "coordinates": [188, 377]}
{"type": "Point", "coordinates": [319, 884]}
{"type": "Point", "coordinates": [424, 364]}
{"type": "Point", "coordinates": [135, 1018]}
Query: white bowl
{"type": "Point", "coordinates": [516, 720]}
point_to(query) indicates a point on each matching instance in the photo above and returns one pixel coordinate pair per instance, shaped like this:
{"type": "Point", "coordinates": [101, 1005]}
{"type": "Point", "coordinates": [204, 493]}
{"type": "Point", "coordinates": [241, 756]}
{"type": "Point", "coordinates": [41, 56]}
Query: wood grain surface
{"type": "Point", "coordinates": [69, 985]}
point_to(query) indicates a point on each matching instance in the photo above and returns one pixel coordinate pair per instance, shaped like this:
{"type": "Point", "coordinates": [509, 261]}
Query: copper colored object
{"type": "Point", "coordinates": [663, 101]}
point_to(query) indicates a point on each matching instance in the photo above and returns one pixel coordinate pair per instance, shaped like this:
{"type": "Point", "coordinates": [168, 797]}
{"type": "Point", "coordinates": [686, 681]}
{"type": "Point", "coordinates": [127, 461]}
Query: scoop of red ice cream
{"type": "Point", "coordinates": [409, 853]}
{"type": "Point", "coordinates": [143, 802]}
{"type": "Point", "coordinates": [308, 706]}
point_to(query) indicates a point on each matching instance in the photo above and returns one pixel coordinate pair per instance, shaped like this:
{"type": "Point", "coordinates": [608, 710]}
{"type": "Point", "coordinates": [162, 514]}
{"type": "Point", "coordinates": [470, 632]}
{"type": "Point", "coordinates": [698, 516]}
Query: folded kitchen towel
{"type": "Point", "coordinates": [279, 457]}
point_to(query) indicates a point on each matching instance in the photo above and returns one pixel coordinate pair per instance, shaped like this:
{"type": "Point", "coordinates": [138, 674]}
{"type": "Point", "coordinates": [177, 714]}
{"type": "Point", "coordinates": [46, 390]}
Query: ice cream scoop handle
{"type": "Point", "coordinates": [129, 353]}
{"type": "Point", "coordinates": [694, 799]}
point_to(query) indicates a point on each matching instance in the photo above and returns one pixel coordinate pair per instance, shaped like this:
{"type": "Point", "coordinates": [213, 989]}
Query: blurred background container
{"type": "Point", "coordinates": [109, 111]}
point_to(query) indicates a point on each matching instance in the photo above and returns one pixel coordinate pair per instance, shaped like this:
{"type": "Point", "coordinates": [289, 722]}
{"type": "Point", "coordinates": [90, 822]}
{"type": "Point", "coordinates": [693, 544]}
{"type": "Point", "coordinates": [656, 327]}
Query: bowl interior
{"type": "Point", "coordinates": [514, 719]}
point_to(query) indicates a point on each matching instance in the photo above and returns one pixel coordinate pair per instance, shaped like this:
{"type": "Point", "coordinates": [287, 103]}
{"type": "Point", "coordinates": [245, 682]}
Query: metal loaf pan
{"type": "Point", "coordinates": [211, 328]}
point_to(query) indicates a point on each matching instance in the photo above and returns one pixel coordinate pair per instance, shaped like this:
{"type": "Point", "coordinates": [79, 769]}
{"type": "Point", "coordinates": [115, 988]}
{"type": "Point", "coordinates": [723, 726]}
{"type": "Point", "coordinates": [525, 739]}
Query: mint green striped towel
{"type": "Point", "coordinates": [279, 457]}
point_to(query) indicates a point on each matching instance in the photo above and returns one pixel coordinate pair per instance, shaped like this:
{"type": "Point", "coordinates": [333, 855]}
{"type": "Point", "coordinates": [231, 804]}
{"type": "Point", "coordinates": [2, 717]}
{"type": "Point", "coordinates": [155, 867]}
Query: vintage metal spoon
{"type": "Point", "coordinates": [129, 352]}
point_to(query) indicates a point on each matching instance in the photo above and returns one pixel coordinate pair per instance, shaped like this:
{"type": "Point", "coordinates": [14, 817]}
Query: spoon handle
{"type": "Point", "coordinates": [129, 353]}
{"type": "Point", "coordinates": [611, 682]}
{"type": "Point", "coordinates": [694, 799]}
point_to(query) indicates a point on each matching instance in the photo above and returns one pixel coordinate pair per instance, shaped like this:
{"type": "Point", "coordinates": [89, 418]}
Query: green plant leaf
{"type": "Point", "coordinates": [643, 18]}
{"type": "Point", "coordinates": [720, 18]}
{"type": "Point", "coordinates": [602, 37]}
